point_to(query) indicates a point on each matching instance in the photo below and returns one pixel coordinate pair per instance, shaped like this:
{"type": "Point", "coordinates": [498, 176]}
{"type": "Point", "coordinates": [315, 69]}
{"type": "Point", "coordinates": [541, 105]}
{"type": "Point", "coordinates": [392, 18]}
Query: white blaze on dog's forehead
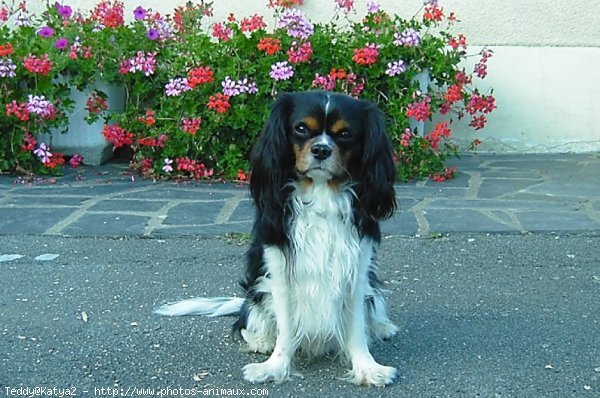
{"type": "Point", "coordinates": [323, 139]}
{"type": "Point", "coordinates": [327, 104]}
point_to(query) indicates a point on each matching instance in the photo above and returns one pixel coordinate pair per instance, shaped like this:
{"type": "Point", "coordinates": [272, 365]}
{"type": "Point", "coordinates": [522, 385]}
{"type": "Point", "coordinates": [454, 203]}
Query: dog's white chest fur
{"type": "Point", "coordinates": [323, 266]}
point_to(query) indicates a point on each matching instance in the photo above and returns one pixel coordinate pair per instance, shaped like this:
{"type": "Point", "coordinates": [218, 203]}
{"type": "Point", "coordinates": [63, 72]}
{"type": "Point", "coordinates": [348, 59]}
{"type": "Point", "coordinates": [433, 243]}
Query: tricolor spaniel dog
{"type": "Point", "coordinates": [322, 178]}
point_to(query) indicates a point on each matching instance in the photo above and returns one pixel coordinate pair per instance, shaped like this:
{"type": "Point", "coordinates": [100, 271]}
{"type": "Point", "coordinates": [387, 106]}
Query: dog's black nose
{"type": "Point", "coordinates": [321, 151]}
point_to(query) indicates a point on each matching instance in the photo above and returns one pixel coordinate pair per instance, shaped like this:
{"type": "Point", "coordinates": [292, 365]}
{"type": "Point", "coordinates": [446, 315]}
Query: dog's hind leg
{"type": "Point", "coordinates": [380, 326]}
{"type": "Point", "coordinates": [257, 326]}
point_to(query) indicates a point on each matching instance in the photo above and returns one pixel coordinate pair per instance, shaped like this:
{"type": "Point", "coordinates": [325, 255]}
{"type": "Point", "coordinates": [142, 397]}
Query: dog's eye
{"type": "Point", "coordinates": [345, 134]}
{"type": "Point", "coordinates": [301, 129]}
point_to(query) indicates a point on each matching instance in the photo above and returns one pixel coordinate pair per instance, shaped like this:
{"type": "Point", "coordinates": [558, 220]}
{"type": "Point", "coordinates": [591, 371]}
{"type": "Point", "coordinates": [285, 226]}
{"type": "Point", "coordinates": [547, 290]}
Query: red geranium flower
{"type": "Point", "coordinates": [219, 103]}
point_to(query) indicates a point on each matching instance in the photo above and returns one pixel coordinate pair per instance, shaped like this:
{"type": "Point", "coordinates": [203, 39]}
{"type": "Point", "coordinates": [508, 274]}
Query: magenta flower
{"type": "Point", "coordinates": [139, 13]}
{"type": "Point", "coordinates": [281, 71]}
{"type": "Point", "coordinates": [152, 34]}
{"type": "Point", "coordinates": [298, 54]}
{"type": "Point", "coordinates": [221, 31]}
{"type": "Point", "coordinates": [76, 160]}
{"type": "Point", "coordinates": [142, 62]}
{"type": "Point", "coordinates": [64, 11]}
{"type": "Point", "coordinates": [46, 32]}
{"type": "Point", "coordinates": [61, 43]}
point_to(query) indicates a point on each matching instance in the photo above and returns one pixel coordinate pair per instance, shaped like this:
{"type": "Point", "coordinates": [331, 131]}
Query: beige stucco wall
{"type": "Point", "coordinates": [544, 71]}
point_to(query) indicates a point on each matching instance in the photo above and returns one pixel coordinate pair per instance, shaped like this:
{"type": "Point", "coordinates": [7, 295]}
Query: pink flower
{"type": "Point", "coordinates": [20, 110]}
{"type": "Point", "coordinates": [29, 142]}
{"type": "Point", "coordinates": [109, 14]}
{"type": "Point", "coordinates": [478, 122]}
{"type": "Point", "coordinates": [406, 137]}
{"type": "Point", "coordinates": [142, 62]}
{"type": "Point", "coordinates": [76, 160]}
{"type": "Point", "coordinates": [366, 55]}
{"type": "Point", "coordinates": [481, 67]}
{"type": "Point", "coordinates": [325, 82]}
{"type": "Point", "coordinates": [298, 54]}
{"type": "Point", "coordinates": [221, 32]}
{"type": "Point", "coordinates": [252, 23]}
{"type": "Point", "coordinates": [480, 104]}
{"type": "Point", "coordinates": [117, 135]}
{"type": "Point", "coordinates": [345, 5]}
{"type": "Point", "coordinates": [3, 13]}
{"type": "Point", "coordinates": [41, 65]}
{"type": "Point", "coordinates": [191, 126]}
{"type": "Point", "coordinates": [420, 110]}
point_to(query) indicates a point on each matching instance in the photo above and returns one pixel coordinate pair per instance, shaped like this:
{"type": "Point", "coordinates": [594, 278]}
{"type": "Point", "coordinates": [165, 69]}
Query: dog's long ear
{"type": "Point", "coordinates": [377, 194]}
{"type": "Point", "coordinates": [272, 157]}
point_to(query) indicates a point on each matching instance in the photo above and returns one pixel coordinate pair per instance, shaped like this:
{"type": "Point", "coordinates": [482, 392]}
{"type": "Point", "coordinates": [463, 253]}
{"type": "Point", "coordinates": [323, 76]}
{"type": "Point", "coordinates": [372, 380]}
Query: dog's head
{"type": "Point", "coordinates": [324, 137]}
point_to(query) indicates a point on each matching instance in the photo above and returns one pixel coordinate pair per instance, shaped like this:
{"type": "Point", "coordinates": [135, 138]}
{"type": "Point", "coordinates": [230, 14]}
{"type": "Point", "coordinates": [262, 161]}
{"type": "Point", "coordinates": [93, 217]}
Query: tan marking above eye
{"type": "Point", "coordinates": [339, 126]}
{"type": "Point", "coordinates": [312, 123]}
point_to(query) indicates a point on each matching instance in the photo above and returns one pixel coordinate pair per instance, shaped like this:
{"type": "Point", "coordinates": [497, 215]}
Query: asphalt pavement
{"type": "Point", "coordinates": [493, 280]}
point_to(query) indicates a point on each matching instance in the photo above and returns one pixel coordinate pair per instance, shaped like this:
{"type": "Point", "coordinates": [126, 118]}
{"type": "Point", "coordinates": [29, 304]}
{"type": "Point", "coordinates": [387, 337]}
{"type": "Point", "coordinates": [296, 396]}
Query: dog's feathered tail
{"type": "Point", "coordinates": [214, 306]}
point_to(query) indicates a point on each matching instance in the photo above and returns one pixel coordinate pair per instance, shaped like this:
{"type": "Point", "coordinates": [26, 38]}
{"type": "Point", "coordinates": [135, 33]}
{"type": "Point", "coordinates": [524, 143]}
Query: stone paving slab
{"type": "Point", "coordinates": [491, 193]}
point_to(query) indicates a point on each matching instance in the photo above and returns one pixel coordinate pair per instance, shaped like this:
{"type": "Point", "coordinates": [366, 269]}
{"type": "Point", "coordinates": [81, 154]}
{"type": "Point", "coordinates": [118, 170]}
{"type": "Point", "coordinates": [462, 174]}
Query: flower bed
{"type": "Point", "coordinates": [199, 90]}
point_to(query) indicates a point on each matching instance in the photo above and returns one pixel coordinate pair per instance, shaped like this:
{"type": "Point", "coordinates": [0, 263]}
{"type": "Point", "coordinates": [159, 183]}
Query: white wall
{"type": "Point", "coordinates": [544, 71]}
{"type": "Point", "coordinates": [547, 100]}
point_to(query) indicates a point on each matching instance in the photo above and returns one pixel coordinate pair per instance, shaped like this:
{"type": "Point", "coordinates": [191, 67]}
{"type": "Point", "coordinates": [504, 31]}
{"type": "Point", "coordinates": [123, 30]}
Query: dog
{"type": "Point", "coordinates": [322, 179]}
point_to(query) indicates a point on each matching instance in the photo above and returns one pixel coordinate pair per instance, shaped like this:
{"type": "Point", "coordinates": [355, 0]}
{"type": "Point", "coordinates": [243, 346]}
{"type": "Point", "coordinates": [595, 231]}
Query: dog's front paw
{"type": "Point", "coordinates": [269, 370]}
{"type": "Point", "coordinates": [372, 374]}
